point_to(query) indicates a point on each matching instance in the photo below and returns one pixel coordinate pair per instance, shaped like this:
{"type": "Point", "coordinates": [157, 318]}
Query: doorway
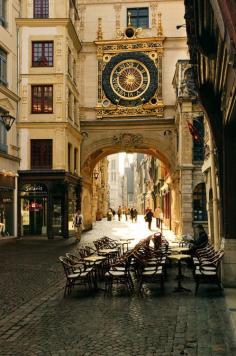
{"type": "Point", "coordinates": [34, 215]}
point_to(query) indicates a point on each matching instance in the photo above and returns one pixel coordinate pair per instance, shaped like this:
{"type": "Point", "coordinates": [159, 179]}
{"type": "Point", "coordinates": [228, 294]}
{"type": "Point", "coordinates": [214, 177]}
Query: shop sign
{"type": "Point", "coordinates": [34, 206]}
{"type": "Point", "coordinates": [7, 200]}
{"type": "Point", "coordinates": [25, 217]}
{"type": "Point", "coordinates": [34, 188]}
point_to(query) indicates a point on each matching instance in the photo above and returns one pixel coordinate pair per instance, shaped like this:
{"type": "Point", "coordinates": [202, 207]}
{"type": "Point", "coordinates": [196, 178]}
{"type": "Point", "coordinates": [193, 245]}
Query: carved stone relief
{"type": "Point", "coordinates": [127, 139]}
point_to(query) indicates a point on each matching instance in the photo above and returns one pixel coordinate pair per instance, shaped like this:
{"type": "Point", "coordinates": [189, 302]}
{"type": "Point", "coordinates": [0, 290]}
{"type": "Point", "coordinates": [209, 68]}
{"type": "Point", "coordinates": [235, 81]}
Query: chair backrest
{"type": "Point", "coordinates": [67, 265]}
{"type": "Point", "coordinates": [72, 258]}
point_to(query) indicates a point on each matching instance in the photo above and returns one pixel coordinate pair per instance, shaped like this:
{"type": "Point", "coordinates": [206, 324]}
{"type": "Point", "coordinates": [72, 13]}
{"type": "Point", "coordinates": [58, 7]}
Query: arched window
{"type": "Point", "coordinates": [198, 145]}
{"type": "Point", "coordinates": [199, 203]}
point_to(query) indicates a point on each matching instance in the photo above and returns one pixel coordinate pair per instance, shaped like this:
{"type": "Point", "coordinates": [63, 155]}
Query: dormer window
{"type": "Point", "coordinates": [138, 16]}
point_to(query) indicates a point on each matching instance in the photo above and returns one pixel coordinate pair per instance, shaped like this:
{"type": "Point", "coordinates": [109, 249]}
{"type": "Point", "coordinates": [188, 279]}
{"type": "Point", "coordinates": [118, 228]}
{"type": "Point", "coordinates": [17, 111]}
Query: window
{"type": "Point", "coordinates": [3, 134]}
{"type": "Point", "coordinates": [75, 111]}
{"type": "Point", "coordinates": [75, 159]}
{"type": "Point", "coordinates": [69, 59]}
{"type": "Point", "coordinates": [199, 203]}
{"type": "Point", "coordinates": [42, 54]}
{"type": "Point", "coordinates": [41, 154]}
{"type": "Point", "coordinates": [74, 71]}
{"type": "Point", "coordinates": [3, 67]}
{"type": "Point", "coordinates": [41, 9]}
{"type": "Point", "coordinates": [198, 146]}
{"type": "Point", "coordinates": [69, 157]}
{"type": "Point", "coordinates": [42, 99]}
{"type": "Point", "coordinates": [139, 17]}
{"type": "Point", "coordinates": [70, 100]}
{"type": "Point", "coordinates": [3, 21]}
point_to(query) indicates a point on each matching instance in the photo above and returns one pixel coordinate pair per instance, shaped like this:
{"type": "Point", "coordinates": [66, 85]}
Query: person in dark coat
{"type": "Point", "coordinates": [201, 239]}
{"type": "Point", "coordinates": [148, 218]}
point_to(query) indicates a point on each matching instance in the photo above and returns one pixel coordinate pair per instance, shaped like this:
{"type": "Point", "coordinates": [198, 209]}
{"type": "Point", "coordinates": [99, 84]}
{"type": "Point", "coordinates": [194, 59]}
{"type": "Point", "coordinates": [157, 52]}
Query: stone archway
{"type": "Point", "coordinates": [102, 138]}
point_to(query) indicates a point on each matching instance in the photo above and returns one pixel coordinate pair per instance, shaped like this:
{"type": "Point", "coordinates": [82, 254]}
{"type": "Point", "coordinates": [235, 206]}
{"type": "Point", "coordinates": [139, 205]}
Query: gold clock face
{"type": "Point", "coordinates": [130, 79]}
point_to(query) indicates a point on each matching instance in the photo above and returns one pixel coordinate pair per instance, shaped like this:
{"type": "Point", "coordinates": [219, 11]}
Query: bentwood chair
{"type": "Point", "coordinates": [74, 275]}
{"type": "Point", "coordinates": [207, 272]}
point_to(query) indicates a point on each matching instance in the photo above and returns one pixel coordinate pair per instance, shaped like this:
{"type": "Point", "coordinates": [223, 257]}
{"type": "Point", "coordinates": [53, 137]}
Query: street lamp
{"type": "Point", "coordinates": [7, 120]}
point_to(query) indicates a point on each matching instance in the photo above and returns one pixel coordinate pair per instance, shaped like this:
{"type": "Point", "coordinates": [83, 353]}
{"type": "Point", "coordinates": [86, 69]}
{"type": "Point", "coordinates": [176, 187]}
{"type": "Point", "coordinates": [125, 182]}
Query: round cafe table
{"type": "Point", "coordinates": [179, 258]}
{"type": "Point", "coordinates": [179, 249]}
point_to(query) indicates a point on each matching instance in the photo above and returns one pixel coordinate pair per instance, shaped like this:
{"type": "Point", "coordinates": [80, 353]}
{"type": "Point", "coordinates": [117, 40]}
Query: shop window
{"type": "Point", "coordinates": [6, 212]}
{"type": "Point", "coordinates": [198, 145]}
{"type": "Point", "coordinates": [3, 21]}
{"type": "Point", "coordinates": [139, 17]}
{"type": "Point", "coordinates": [3, 67]}
{"type": "Point", "coordinates": [42, 99]}
{"type": "Point", "coordinates": [41, 9]}
{"type": "Point", "coordinates": [41, 154]}
{"type": "Point", "coordinates": [199, 203]}
{"type": "Point", "coordinates": [3, 134]}
{"type": "Point", "coordinates": [42, 54]}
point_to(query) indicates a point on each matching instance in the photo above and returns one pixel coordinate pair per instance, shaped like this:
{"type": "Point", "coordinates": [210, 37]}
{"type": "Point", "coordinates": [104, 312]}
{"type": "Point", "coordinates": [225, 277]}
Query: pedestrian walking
{"type": "Point", "coordinates": [126, 213]}
{"type": "Point", "coordinates": [135, 215]}
{"type": "Point", "coordinates": [157, 215]}
{"type": "Point", "coordinates": [78, 224]}
{"type": "Point", "coordinates": [119, 212]}
{"type": "Point", "coordinates": [148, 217]}
{"type": "Point", "coordinates": [109, 215]}
{"type": "Point", "coordinates": [132, 214]}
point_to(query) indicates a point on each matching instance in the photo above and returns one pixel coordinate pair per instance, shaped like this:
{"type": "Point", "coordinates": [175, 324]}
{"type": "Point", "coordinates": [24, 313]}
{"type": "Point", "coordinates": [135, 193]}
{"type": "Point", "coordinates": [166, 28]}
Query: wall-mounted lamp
{"type": "Point", "coordinates": [7, 120]}
{"type": "Point", "coordinates": [179, 26]}
{"type": "Point", "coordinates": [95, 175]}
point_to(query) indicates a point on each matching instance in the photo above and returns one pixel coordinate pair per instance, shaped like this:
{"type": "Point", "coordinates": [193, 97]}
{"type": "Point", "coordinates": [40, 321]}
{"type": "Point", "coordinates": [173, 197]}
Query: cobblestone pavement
{"type": "Point", "coordinates": [35, 319]}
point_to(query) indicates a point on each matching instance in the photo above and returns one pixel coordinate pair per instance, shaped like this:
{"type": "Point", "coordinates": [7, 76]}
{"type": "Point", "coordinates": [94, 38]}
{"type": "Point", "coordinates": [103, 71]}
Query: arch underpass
{"type": "Point", "coordinates": [155, 137]}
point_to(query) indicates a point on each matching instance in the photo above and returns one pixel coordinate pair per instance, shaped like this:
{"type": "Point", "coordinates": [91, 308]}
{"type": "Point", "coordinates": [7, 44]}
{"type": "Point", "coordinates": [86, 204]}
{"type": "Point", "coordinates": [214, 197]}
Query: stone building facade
{"type": "Point", "coordinates": [48, 124]}
{"type": "Point", "coordinates": [9, 105]}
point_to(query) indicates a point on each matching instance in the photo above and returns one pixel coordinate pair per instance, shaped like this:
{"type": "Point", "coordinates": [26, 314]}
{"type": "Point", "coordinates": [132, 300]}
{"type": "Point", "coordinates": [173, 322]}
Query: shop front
{"type": "Point", "coordinates": [47, 203]}
{"type": "Point", "coordinates": [7, 187]}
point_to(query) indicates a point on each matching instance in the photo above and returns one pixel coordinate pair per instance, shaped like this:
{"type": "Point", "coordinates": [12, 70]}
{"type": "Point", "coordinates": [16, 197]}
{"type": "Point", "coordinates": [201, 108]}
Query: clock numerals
{"type": "Point", "coordinates": [129, 80]}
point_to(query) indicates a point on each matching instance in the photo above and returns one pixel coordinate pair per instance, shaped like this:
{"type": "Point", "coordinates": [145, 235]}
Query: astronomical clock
{"type": "Point", "coordinates": [130, 76]}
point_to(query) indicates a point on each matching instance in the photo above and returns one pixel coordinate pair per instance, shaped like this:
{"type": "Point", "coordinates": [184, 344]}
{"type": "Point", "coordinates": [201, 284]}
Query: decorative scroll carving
{"type": "Point", "coordinates": [154, 15]}
{"type": "Point", "coordinates": [128, 139]}
{"type": "Point", "coordinates": [117, 8]}
{"type": "Point", "coordinates": [99, 31]}
{"type": "Point", "coordinates": [159, 26]}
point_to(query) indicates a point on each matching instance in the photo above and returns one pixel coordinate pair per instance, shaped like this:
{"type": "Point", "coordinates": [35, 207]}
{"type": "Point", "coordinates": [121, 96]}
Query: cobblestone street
{"type": "Point", "coordinates": [37, 320]}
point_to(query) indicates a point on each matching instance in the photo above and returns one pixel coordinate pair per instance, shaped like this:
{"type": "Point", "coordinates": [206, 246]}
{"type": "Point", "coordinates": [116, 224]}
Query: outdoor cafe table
{"type": "Point", "coordinates": [180, 257]}
{"type": "Point", "coordinates": [94, 258]}
{"type": "Point", "coordinates": [179, 249]}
